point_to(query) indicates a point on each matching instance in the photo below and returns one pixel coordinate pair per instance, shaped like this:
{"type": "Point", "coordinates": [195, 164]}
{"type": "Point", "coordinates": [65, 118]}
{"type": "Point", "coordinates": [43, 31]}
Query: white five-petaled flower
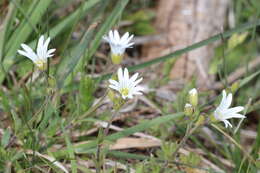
{"type": "Point", "coordinates": [223, 112]}
{"type": "Point", "coordinates": [117, 44]}
{"type": "Point", "coordinates": [42, 53]}
{"type": "Point", "coordinates": [126, 86]}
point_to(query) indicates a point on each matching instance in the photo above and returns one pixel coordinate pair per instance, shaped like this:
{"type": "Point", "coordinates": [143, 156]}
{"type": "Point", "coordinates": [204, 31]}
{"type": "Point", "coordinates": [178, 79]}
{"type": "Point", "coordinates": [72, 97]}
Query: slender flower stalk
{"type": "Point", "coordinates": [223, 112]}
{"type": "Point", "coordinates": [39, 58]}
{"type": "Point", "coordinates": [118, 44]}
{"type": "Point", "coordinates": [126, 86]}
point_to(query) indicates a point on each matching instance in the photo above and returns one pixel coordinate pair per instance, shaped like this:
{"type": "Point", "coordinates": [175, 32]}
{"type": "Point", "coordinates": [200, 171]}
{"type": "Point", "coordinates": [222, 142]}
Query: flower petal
{"type": "Point", "coordinates": [130, 38]}
{"type": "Point", "coordinates": [228, 101]}
{"type": "Point", "coordinates": [124, 38]}
{"type": "Point", "coordinates": [49, 52]}
{"type": "Point", "coordinates": [126, 74]}
{"type": "Point", "coordinates": [29, 53]}
{"type": "Point", "coordinates": [26, 54]}
{"type": "Point", "coordinates": [120, 74]}
{"type": "Point", "coordinates": [116, 36]}
{"type": "Point", "coordinates": [40, 50]}
{"type": "Point", "coordinates": [227, 123]}
{"type": "Point", "coordinates": [234, 115]}
{"type": "Point", "coordinates": [234, 110]}
{"type": "Point", "coordinates": [138, 81]}
{"type": "Point", "coordinates": [223, 101]}
{"type": "Point", "coordinates": [114, 87]}
{"type": "Point", "coordinates": [113, 82]}
{"type": "Point", "coordinates": [46, 43]}
{"type": "Point", "coordinates": [111, 35]}
{"type": "Point", "coordinates": [134, 77]}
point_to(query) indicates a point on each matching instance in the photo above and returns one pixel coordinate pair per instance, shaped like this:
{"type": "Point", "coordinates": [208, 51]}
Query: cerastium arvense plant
{"type": "Point", "coordinates": [66, 129]}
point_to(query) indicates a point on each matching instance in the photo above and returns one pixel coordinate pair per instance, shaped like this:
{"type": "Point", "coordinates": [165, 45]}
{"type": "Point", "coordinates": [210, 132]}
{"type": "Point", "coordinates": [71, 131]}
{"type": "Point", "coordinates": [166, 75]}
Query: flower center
{"type": "Point", "coordinates": [40, 64]}
{"type": "Point", "coordinates": [219, 115]}
{"type": "Point", "coordinates": [124, 91]}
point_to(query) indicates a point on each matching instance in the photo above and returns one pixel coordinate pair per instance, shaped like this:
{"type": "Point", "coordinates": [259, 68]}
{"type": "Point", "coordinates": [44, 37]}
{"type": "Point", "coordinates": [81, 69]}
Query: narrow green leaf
{"type": "Point", "coordinates": [26, 27]}
{"type": "Point", "coordinates": [70, 61]}
{"type": "Point", "coordinates": [129, 131]}
{"type": "Point", "coordinates": [248, 79]}
{"type": "Point", "coordinates": [5, 138]}
{"type": "Point", "coordinates": [90, 147]}
{"type": "Point", "coordinates": [70, 150]}
{"type": "Point", "coordinates": [5, 27]}
{"type": "Point", "coordinates": [81, 12]}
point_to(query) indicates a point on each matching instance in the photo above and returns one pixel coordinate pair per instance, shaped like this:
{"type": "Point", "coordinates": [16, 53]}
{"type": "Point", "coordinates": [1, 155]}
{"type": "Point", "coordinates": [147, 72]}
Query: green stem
{"type": "Point", "coordinates": [189, 132]}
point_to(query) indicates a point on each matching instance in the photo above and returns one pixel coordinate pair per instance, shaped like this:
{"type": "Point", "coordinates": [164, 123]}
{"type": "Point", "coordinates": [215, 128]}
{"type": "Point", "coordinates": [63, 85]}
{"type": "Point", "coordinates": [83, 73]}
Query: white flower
{"type": "Point", "coordinates": [223, 112]}
{"type": "Point", "coordinates": [193, 91]}
{"type": "Point", "coordinates": [42, 53]}
{"type": "Point", "coordinates": [126, 86]}
{"type": "Point", "coordinates": [188, 109]}
{"type": "Point", "coordinates": [193, 97]}
{"type": "Point", "coordinates": [187, 105]}
{"type": "Point", "coordinates": [117, 44]}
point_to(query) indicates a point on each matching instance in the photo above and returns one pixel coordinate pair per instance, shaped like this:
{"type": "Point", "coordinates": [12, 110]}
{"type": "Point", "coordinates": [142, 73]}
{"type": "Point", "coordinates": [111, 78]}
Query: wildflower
{"type": "Point", "coordinates": [193, 97]}
{"type": "Point", "coordinates": [223, 112]}
{"type": "Point", "coordinates": [42, 53]}
{"type": "Point", "coordinates": [118, 45]}
{"type": "Point", "coordinates": [126, 86]}
{"type": "Point", "coordinates": [188, 109]}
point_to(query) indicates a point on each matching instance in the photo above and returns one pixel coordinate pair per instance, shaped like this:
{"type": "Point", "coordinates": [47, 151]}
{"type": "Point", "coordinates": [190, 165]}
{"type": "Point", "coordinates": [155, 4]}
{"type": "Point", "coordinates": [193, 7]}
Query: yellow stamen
{"type": "Point", "coordinates": [41, 64]}
{"type": "Point", "coordinates": [124, 91]}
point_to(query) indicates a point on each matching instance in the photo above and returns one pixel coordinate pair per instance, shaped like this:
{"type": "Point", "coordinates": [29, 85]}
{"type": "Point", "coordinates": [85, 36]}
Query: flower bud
{"type": "Point", "coordinates": [235, 86]}
{"type": "Point", "coordinates": [193, 97]}
{"type": "Point", "coordinates": [111, 95]}
{"type": "Point", "coordinates": [116, 58]}
{"type": "Point", "coordinates": [200, 120]}
{"type": "Point", "coordinates": [188, 109]}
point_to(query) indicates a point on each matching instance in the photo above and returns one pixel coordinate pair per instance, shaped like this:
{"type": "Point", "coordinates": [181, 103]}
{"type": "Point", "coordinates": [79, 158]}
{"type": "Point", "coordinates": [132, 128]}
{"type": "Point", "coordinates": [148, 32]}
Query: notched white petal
{"type": "Point", "coordinates": [42, 52]}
